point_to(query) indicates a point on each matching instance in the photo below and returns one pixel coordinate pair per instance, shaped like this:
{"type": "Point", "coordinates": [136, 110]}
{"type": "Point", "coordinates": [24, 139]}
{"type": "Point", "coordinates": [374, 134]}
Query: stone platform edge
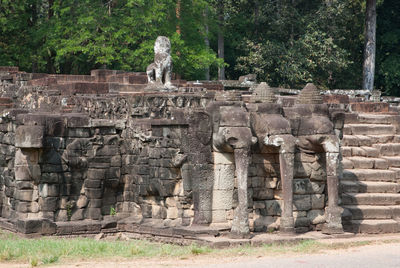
{"type": "Point", "coordinates": [214, 237]}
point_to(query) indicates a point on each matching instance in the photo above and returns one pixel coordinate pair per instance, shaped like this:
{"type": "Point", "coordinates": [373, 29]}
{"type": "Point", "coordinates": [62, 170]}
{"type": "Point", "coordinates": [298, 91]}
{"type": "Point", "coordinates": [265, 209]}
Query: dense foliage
{"type": "Point", "coordinates": [285, 42]}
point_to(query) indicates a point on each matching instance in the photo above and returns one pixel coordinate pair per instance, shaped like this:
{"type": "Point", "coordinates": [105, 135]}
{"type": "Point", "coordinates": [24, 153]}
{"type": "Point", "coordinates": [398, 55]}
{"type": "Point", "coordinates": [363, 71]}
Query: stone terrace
{"type": "Point", "coordinates": [104, 153]}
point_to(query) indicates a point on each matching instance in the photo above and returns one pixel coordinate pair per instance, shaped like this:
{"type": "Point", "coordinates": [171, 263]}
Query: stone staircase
{"type": "Point", "coordinates": [370, 187]}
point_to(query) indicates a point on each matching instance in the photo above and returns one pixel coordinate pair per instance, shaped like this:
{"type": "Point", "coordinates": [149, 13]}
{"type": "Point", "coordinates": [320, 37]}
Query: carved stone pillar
{"type": "Point", "coordinates": [286, 144]}
{"type": "Point", "coordinates": [240, 225]}
{"type": "Point", "coordinates": [286, 161]}
{"type": "Point", "coordinates": [333, 211]}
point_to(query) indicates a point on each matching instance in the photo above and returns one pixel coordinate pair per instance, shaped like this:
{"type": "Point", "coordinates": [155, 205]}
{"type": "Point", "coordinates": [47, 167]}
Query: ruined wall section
{"type": "Point", "coordinates": [7, 175]}
{"type": "Point", "coordinates": [152, 160]}
{"type": "Point", "coordinates": [265, 191]}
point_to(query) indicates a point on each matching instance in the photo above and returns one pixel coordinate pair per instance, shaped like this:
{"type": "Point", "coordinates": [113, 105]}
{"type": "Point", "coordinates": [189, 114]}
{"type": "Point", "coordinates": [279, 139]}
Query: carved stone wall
{"type": "Point", "coordinates": [76, 152]}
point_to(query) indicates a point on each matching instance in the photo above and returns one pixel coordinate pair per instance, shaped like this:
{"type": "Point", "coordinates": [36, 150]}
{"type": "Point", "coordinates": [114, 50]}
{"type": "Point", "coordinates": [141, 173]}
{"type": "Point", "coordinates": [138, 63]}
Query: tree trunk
{"type": "Point", "coordinates": [178, 16]}
{"type": "Point", "coordinates": [370, 44]}
{"type": "Point", "coordinates": [221, 53]}
{"type": "Point", "coordinates": [206, 41]}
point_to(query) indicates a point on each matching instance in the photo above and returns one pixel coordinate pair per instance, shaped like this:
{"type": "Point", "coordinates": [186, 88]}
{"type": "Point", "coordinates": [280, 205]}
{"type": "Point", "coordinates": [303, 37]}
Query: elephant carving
{"type": "Point", "coordinates": [233, 134]}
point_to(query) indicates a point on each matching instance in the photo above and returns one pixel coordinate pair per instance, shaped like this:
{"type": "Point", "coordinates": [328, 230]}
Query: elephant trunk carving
{"type": "Point", "coordinates": [240, 225]}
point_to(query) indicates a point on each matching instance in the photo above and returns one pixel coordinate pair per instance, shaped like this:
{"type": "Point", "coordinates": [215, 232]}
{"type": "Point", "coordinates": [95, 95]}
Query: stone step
{"type": "Point", "coordinates": [388, 149]}
{"type": "Point", "coordinates": [369, 175]}
{"type": "Point", "coordinates": [372, 226]}
{"type": "Point", "coordinates": [374, 199]}
{"type": "Point", "coordinates": [369, 187]}
{"type": "Point", "coordinates": [375, 139]}
{"type": "Point", "coordinates": [361, 212]}
{"type": "Point", "coordinates": [367, 162]}
{"type": "Point", "coordinates": [356, 140]}
{"type": "Point", "coordinates": [368, 129]}
{"type": "Point", "coordinates": [365, 151]}
{"type": "Point", "coordinates": [367, 118]}
{"type": "Point", "coordinates": [394, 161]}
{"type": "Point", "coordinates": [397, 171]}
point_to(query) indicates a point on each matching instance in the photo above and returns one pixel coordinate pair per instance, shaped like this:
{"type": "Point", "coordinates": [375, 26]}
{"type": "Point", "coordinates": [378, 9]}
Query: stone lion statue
{"type": "Point", "coordinates": [160, 71]}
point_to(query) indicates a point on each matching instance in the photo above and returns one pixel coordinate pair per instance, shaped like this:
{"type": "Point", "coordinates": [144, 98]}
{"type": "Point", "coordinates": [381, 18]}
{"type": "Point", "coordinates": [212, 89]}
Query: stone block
{"type": "Point", "coordinates": [26, 157]}
{"type": "Point", "coordinates": [158, 212]}
{"type": "Point", "coordinates": [92, 183]}
{"type": "Point", "coordinates": [224, 177]}
{"type": "Point", "coordinates": [171, 202]}
{"type": "Point", "coordinates": [257, 182]}
{"type": "Point", "coordinates": [188, 213]}
{"type": "Point", "coordinates": [38, 226]}
{"type": "Point", "coordinates": [35, 208]}
{"type": "Point", "coordinates": [316, 216]}
{"type": "Point", "coordinates": [223, 158]}
{"type": "Point", "coordinates": [48, 204]}
{"type": "Point", "coordinates": [301, 202]}
{"type": "Point", "coordinates": [82, 201]}
{"type": "Point", "coordinates": [301, 186]}
{"type": "Point", "coordinates": [381, 163]}
{"type": "Point", "coordinates": [219, 216]}
{"type": "Point", "coordinates": [263, 193]}
{"type": "Point", "coordinates": [300, 170]}
{"type": "Point", "coordinates": [78, 215]}
{"type": "Point", "coordinates": [77, 120]}
{"type": "Point", "coordinates": [93, 213]}
{"type": "Point", "coordinates": [96, 174]}
{"type": "Point", "coordinates": [53, 178]}
{"type": "Point", "coordinates": [114, 172]}
{"type": "Point", "coordinates": [23, 207]}
{"type": "Point", "coordinates": [273, 207]}
{"type": "Point", "coordinates": [302, 222]}
{"type": "Point", "coordinates": [258, 204]}
{"type": "Point", "coordinates": [95, 203]}
{"type": "Point", "coordinates": [271, 183]}
{"type": "Point", "coordinates": [131, 207]}
{"type": "Point", "coordinates": [23, 185]}
{"type": "Point", "coordinates": [111, 183]}
{"type": "Point", "coordinates": [172, 213]}
{"type": "Point", "coordinates": [234, 116]}
{"type": "Point", "coordinates": [29, 136]}
{"type": "Point", "coordinates": [45, 168]}
{"type": "Point", "coordinates": [116, 161]}
{"type": "Point", "coordinates": [24, 195]}
{"type": "Point", "coordinates": [299, 214]}
{"type": "Point", "coordinates": [107, 150]}
{"type": "Point", "coordinates": [317, 187]}
{"type": "Point", "coordinates": [62, 215]}
{"type": "Point", "coordinates": [266, 223]}
{"type": "Point", "coordinates": [27, 173]}
{"type": "Point", "coordinates": [317, 201]}
{"type": "Point", "coordinates": [94, 193]}
{"type": "Point", "coordinates": [222, 199]}
{"type": "Point", "coordinates": [79, 132]}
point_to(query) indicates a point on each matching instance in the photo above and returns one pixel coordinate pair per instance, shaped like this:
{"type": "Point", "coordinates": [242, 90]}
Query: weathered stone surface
{"type": "Point", "coordinates": [222, 199]}
{"type": "Point", "coordinates": [302, 202]}
{"type": "Point", "coordinates": [29, 137]}
{"type": "Point", "coordinates": [195, 156]}
{"type": "Point", "coordinates": [317, 201]}
{"type": "Point", "coordinates": [273, 207]}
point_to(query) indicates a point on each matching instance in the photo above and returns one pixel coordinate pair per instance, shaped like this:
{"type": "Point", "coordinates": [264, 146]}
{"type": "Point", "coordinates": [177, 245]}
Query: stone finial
{"type": "Point", "coordinates": [264, 93]}
{"type": "Point", "coordinates": [310, 95]}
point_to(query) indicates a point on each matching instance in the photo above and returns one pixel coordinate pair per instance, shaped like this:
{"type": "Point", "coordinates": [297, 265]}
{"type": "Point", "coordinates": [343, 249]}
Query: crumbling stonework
{"type": "Point", "coordinates": [101, 153]}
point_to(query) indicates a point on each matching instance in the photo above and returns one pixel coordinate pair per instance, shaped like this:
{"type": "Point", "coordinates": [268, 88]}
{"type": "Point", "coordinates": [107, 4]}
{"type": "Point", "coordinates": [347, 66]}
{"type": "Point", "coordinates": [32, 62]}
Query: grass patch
{"type": "Point", "coordinates": [49, 250]}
